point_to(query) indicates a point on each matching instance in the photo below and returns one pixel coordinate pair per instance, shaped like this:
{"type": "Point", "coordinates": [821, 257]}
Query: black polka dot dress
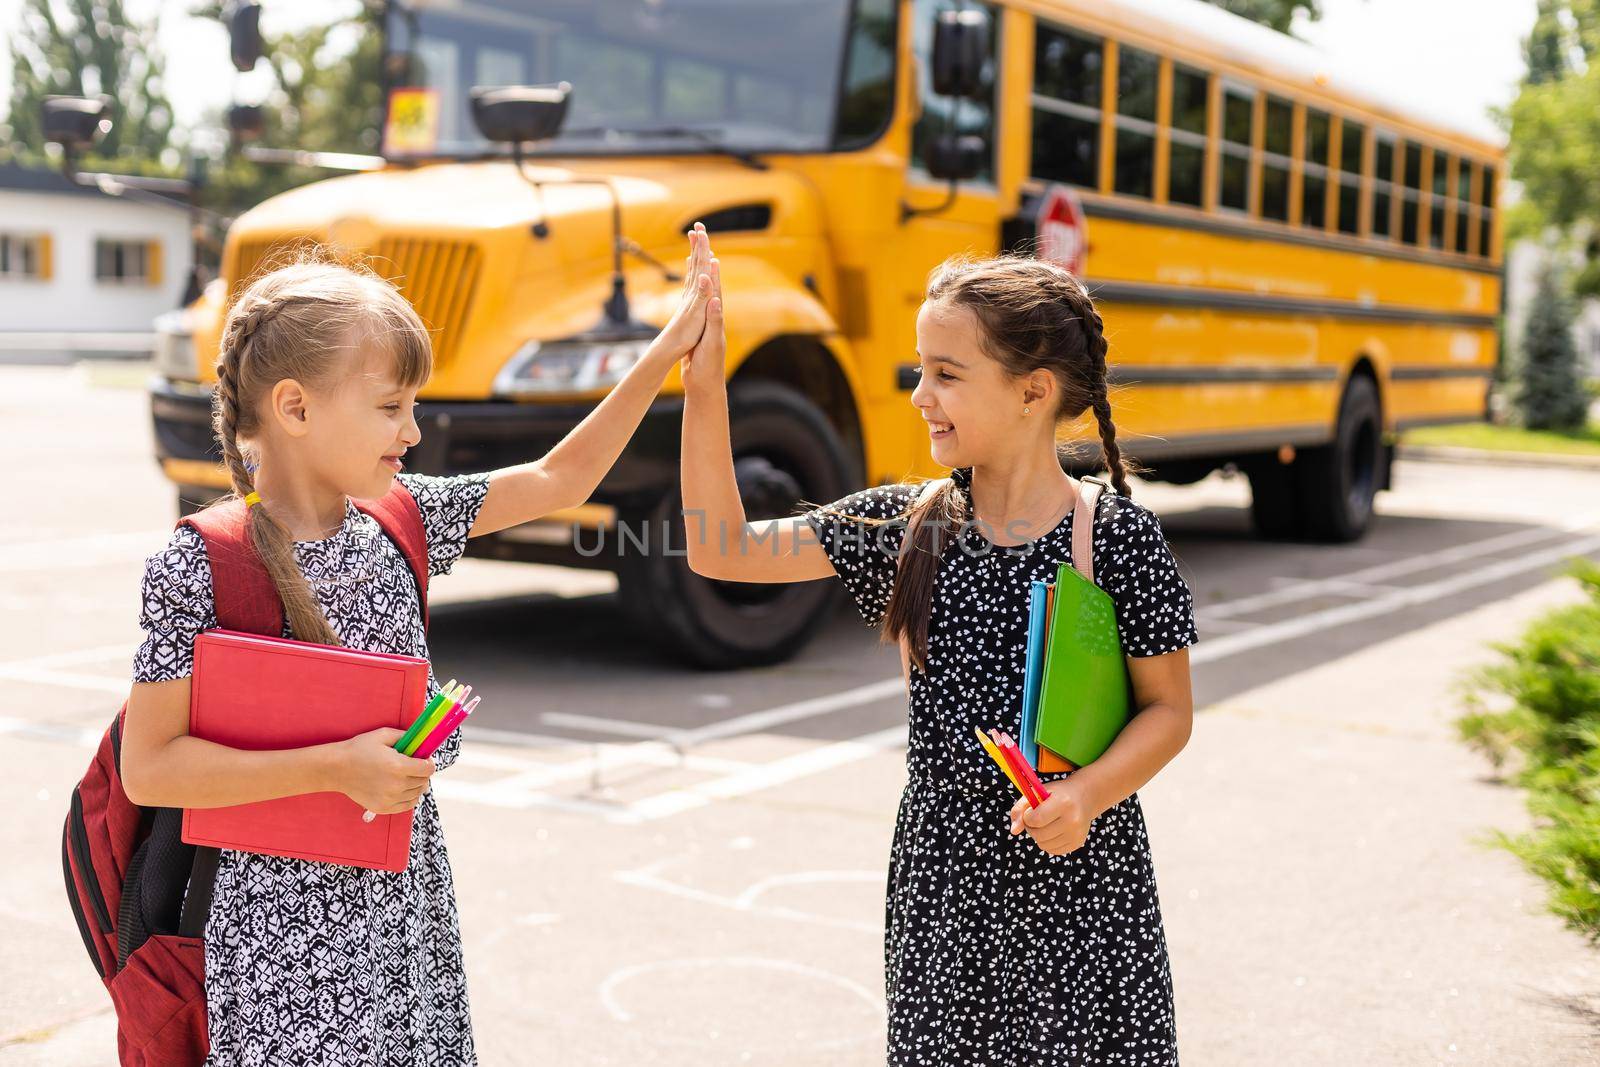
{"type": "Point", "coordinates": [997, 953]}
{"type": "Point", "coordinates": [312, 964]}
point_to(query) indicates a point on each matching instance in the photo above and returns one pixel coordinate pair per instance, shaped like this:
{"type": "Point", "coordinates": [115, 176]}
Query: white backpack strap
{"type": "Point", "coordinates": [1083, 526]}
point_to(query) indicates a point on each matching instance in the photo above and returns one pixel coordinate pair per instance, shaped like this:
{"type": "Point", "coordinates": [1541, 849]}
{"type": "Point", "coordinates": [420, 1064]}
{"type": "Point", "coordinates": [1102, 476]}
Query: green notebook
{"type": "Point", "coordinates": [1084, 697]}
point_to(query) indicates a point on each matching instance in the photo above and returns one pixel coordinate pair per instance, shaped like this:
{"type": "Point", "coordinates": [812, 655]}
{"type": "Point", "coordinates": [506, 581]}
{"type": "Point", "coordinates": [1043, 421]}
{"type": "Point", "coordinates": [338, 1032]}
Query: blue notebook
{"type": "Point", "coordinates": [1038, 599]}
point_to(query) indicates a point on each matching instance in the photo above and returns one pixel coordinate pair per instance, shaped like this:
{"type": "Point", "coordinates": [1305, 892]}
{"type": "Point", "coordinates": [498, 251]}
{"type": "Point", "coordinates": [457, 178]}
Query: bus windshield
{"type": "Point", "coordinates": [646, 75]}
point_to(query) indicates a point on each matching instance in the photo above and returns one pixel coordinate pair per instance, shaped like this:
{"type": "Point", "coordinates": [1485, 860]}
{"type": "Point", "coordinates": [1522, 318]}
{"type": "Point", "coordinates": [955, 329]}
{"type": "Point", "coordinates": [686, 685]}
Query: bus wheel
{"type": "Point", "coordinates": [1337, 483]}
{"type": "Point", "coordinates": [1272, 499]}
{"type": "Point", "coordinates": [785, 451]}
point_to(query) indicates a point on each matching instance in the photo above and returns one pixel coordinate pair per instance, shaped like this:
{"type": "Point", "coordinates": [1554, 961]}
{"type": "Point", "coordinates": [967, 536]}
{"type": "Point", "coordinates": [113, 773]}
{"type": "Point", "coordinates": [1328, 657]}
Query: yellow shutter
{"type": "Point", "coordinates": [46, 258]}
{"type": "Point", "coordinates": [153, 262]}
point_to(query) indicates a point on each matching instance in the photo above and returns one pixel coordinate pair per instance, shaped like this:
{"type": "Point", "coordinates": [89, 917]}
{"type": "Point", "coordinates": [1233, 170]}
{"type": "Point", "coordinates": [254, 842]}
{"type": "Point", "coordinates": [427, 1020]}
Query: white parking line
{"type": "Point", "coordinates": [1317, 621]}
{"type": "Point", "coordinates": [650, 877]}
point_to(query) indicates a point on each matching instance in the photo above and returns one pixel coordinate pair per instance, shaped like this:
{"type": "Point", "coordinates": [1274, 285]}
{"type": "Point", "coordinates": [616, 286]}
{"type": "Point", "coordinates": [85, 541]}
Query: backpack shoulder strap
{"type": "Point", "coordinates": [1089, 490]}
{"type": "Point", "coordinates": [399, 516]}
{"type": "Point", "coordinates": [246, 599]}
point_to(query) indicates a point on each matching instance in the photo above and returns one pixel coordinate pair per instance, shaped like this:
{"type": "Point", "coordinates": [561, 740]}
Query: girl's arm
{"type": "Point", "coordinates": [571, 471]}
{"type": "Point", "coordinates": [720, 543]}
{"type": "Point", "coordinates": [1150, 740]}
{"type": "Point", "coordinates": [163, 767]}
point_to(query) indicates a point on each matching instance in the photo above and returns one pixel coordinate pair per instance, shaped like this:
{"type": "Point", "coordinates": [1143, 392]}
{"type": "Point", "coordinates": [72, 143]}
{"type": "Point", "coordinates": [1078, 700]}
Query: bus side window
{"type": "Point", "coordinates": [1412, 192]}
{"type": "Point", "coordinates": [1440, 208]}
{"type": "Point", "coordinates": [1466, 214]}
{"type": "Point", "coordinates": [1138, 74]}
{"type": "Point", "coordinates": [975, 114]}
{"type": "Point", "coordinates": [1351, 141]}
{"type": "Point", "coordinates": [1276, 159]}
{"type": "Point", "coordinates": [1383, 160]}
{"type": "Point", "coordinates": [1486, 223]}
{"type": "Point", "coordinates": [1067, 74]}
{"type": "Point", "coordinates": [1238, 121]}
{"type": "Point", "coordinates": [1314, 172]}
{"type": "Point", "coordinates": [1186, 164]}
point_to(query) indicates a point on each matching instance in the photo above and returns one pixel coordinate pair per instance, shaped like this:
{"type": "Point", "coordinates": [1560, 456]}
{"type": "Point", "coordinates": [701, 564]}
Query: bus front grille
{"type": "Point", "coordinates": [439, 276]}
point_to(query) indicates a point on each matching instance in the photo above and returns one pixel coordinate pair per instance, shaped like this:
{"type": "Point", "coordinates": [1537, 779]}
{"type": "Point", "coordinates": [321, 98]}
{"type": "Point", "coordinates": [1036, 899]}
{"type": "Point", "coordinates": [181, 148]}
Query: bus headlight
{"type": "Point", "coordinates": [173, 356]}
{"type": "Point", "coordinates": [574, 366]}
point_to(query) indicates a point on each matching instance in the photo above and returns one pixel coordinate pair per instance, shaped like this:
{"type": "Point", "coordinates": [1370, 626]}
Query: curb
{"type": "Point", "coordinates": [1451, 454]}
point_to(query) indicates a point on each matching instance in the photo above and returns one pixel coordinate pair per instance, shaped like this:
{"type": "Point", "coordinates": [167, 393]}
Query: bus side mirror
{"type": "Point", "coordinates": [960, 50]}
{"type": "Point", "coordinates": [244, 36]}
{"type": "Point", "coordinates": [247, 122]}
{"type": "Point", "coordinates": [519, 114]}
{"type": "Point", "coordinates": [75, 122]}
{"type": "Point", "coordinates": [954, 156]}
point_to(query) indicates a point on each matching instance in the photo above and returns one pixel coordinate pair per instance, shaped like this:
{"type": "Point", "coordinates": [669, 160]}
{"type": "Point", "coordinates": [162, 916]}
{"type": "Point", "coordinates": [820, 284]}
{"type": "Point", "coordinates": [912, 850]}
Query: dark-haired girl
{"type": "Point", "coordinates": [1001, 950]}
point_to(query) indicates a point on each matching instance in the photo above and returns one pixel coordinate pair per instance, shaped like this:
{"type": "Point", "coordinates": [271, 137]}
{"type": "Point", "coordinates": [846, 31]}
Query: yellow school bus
{"type": "Point", "coordinates": [1292, 266]}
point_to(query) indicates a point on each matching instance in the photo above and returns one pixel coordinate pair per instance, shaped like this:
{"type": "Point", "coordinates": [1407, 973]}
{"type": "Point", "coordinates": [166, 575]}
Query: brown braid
{"type": "Point", "coordinates": [1100, 392]}
{"type": "Point", "coordinates": [295, 323]}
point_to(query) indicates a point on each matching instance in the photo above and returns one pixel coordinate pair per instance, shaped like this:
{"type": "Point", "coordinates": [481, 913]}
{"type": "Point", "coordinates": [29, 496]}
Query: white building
{"type": "Point", "coordinates": [82, 272]}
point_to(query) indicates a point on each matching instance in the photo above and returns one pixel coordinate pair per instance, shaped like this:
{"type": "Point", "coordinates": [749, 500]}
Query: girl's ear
{"type": "Point", "coordinates": [1038, 388]}
{"type": "Point", "coordinates": [288, 407]}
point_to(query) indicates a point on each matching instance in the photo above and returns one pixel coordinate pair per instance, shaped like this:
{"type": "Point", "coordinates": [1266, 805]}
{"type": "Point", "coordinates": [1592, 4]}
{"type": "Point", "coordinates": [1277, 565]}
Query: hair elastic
{"type": "Point", "coordinates": [251, 499]}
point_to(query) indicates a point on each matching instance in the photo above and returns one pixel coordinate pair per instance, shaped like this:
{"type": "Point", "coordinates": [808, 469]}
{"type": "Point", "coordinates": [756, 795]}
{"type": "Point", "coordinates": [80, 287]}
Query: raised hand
{"type": "Point", "coordinates": [705, 365]}
{"type": "Point", "coordinates": [683, 331]}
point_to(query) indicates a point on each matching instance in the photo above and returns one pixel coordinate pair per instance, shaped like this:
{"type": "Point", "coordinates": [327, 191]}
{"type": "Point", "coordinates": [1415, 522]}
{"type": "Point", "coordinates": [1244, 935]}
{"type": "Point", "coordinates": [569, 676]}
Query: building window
{"type": "Point", "coordinates": [126, 262]}
{"type": "Point", "coordinates": [1352, 144]}
{"type": "Point", "coordinates": [1314, 174]}
{"type": "Point", "coordinates": [23, 256]}
{"type": "Point", "coordinates": [1383, 160]}
{"type": "Point", "coordinates": [1186, 159]}
{"type": "Point", "coordinates": [1067, 74]}
{"type": "Point", "coordinates": [1138, 75]}
{"type": "Point", "coordinates": [1276, 159]}
{"type": "Point", "coordinates": [1238, 121]}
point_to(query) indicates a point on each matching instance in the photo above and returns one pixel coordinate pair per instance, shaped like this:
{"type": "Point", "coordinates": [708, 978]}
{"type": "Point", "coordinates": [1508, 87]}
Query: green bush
{"type": "Point", "coordinates": [1547, 732]}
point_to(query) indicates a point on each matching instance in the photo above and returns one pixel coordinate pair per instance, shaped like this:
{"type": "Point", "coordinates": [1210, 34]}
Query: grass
{"type": "Point", "coordinates": [1508, 438]}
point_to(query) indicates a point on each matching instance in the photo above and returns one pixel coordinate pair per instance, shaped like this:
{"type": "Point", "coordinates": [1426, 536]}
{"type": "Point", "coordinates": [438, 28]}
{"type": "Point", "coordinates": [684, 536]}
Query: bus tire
{"type": "Point", "coordinates": [785, 450]}
{"type": "Point", "coordinates": [1273, 508]}
{"type": "Point", "coordinates": [1337, 483]}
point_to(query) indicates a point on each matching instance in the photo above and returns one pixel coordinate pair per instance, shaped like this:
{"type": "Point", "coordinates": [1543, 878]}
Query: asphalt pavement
{"type": "Point", "coordinates": [660, 865]}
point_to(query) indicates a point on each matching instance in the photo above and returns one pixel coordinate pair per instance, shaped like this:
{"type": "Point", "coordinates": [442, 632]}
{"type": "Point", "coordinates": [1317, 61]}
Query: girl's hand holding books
{"type": "Point", "coordinates": [370, 772]}
{"type": "Point", "coordinates": [1060, 824]}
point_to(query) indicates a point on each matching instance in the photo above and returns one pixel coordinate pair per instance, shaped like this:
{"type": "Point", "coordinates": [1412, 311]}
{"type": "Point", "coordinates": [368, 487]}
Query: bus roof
{"type": "Point", "coordinates": [1208, 29]}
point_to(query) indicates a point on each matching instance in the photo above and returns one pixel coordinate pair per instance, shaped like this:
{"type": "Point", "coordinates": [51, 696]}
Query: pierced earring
{"type": "Point", "coordinates": [1024, 409]}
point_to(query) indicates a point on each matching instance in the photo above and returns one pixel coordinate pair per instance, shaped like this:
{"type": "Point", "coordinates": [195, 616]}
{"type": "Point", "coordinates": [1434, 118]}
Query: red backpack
{"type": "Point", "coordinates": [141, 895]}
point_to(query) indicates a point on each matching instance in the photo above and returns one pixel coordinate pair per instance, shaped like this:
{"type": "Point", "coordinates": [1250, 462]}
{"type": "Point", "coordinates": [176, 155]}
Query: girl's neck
{"type": "Point", "coordinates": [1034, 494]}
{"type": "Point", "coordinates": [310, 512]}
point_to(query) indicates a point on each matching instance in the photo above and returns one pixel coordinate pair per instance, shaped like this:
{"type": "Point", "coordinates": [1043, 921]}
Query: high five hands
{"type": "Point", "coordinates": [703, 366]}
{"type": "Point", "coordinates": [688, 323]}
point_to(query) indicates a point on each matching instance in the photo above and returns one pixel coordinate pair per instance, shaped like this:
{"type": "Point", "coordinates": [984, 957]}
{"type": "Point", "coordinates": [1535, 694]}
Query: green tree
{"type": "Point", "coordinates": [1279, 14]}
{"type": "Point", "coordinates": [87, 48]}
{"type": "Point", "coordinates": [1549, 387]}
{"type": "Point", "coordinates": [1555, 133]}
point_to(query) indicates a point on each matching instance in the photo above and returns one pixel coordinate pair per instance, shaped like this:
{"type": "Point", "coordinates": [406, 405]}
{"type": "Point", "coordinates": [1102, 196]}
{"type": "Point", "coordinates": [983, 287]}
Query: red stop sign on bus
{"type": "Point", "coordinates": [1063, 235]}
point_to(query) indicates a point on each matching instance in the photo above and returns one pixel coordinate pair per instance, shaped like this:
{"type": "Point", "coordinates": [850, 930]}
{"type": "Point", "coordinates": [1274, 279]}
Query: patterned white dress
{"type": "Point", "coordinates": [996, 953]}
{"type": "Point", "coordinates": [312, 963]}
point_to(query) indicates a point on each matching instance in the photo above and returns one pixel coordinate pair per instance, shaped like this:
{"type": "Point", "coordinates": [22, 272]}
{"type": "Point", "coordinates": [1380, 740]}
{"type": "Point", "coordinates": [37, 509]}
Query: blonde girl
{"type": "Point", "coordinates": [313, 963]}
{"type": "Point", "coordinates": [1000, 950]}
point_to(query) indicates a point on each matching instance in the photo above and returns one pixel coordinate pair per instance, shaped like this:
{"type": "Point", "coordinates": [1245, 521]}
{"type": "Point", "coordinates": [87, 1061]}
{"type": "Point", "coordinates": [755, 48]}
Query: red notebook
{"type": "Point", "coordinates": [260, 693]}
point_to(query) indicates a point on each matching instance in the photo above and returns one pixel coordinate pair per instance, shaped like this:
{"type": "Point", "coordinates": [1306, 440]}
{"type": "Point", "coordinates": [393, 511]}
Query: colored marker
{"type": "Point", "coordinates": [416, 726]}
{"type": "Point", "coordinates": [435, 717]}
{"type": "Point", "coordinates": [446, 727]}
